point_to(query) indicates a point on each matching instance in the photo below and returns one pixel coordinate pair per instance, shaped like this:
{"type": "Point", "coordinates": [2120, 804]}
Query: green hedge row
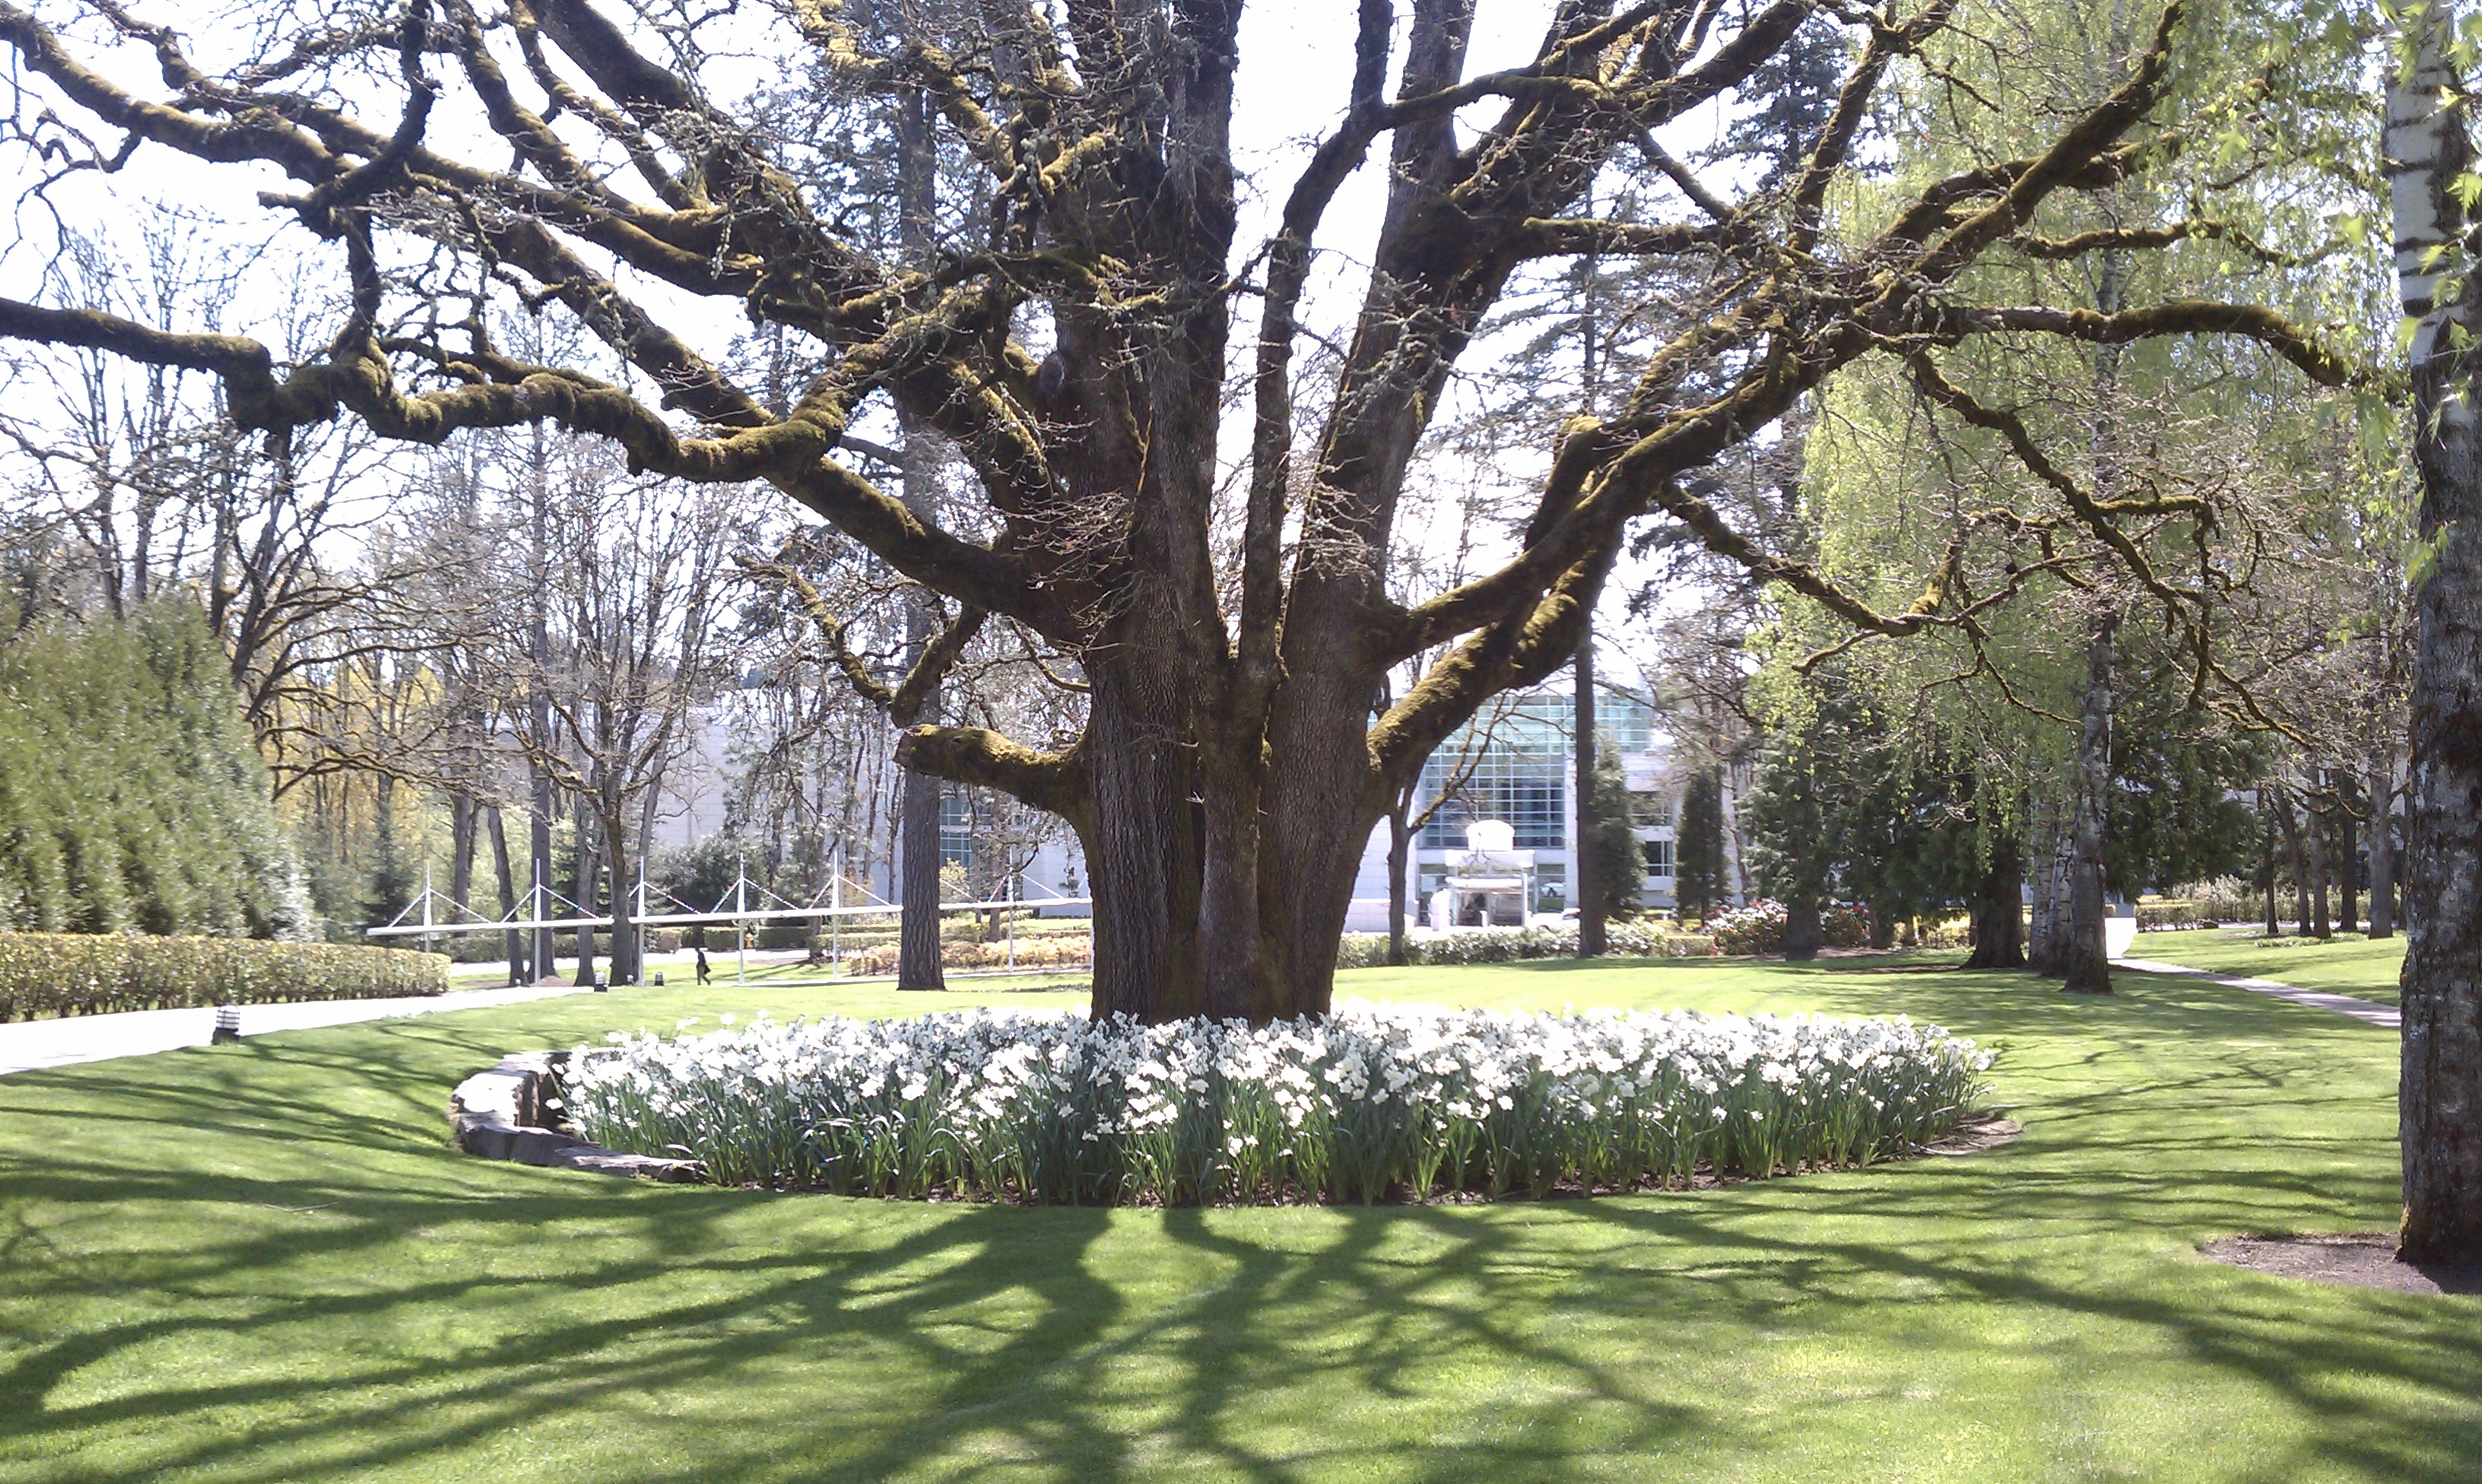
{"type": "Point", "coordinates": [45, 974]}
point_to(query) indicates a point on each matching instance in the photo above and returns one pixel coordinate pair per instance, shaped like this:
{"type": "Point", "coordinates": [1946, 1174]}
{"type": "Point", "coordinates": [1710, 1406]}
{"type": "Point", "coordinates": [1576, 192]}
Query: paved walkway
{"type": "Point", "coordinates": [25, 1046]}
{"type": "Point", "coordinates": [2368, 1011]}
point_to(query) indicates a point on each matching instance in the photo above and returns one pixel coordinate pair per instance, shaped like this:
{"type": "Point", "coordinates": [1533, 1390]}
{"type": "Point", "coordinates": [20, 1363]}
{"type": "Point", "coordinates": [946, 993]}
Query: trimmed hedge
{"type": "Point", "coordinates": [45, 974]}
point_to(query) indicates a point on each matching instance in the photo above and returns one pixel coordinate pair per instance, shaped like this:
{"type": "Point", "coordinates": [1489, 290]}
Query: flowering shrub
{"type": "Point", "coordinates": [1508, 945]}
{"type": "Point", "coordinates": [1051, 1106]}
{"type": "Point", "coordinates": [96, 974]}
{"type": "Point", "coordinates": [1844, 926]}
{"type": "Point", "coordinates": [1756, 929]}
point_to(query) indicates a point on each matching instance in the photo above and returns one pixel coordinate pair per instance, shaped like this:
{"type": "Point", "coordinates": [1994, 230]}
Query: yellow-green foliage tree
{"type": "Point", "coordinates": [2090, 518]}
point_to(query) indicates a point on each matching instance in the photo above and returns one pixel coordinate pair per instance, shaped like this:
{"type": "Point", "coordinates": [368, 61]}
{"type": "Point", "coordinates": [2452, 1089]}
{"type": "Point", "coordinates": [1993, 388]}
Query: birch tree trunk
{"type": "Point", "coordinates": [2439, 1091]}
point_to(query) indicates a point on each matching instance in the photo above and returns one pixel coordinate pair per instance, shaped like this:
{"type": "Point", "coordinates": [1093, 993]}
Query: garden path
{"type": "Point", "coordinates": [2366, 1011]}
{"type": "Point", "coordinates": [28, 1045]}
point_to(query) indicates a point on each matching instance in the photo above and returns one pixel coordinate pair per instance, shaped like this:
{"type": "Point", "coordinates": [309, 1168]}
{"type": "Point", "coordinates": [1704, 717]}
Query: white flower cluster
{"type": "Point", "coordinates": [1372, 1101]}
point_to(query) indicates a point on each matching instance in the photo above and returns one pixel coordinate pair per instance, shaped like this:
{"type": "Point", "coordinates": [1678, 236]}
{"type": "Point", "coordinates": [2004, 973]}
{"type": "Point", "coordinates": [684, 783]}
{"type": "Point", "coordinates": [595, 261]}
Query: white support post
{"type": "Point", "coordinates": [740, 922]}
{"type": "Point", "coordinates": [426, 907]}
{"type": "Point", "coordinates": [1012, 924]}
{"type": "Point", "coordinates": [836, 900]}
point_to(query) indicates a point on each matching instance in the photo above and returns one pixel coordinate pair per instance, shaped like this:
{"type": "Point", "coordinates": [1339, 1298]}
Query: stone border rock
{"type": "Point", "coordinates": [513, 1113]}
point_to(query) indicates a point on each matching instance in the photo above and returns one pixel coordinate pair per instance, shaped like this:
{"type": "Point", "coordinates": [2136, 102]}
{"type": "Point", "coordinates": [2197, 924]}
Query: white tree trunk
{"type": "Point", "coordinates": [2439, 1091]}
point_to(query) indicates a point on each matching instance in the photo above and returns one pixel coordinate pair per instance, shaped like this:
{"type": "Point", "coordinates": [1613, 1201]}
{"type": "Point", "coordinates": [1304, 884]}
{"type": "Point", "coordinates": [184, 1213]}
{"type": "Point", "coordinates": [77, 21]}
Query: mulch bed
{"type": "Point", "coordinates": [2361, 1260]}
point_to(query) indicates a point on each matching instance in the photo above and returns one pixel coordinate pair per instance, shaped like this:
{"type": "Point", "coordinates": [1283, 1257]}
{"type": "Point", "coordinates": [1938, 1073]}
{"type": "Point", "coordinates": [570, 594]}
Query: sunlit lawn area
{"type": "Point", "coordinates": [264, 1262]}
{"type": "Point", "coordinates": [2345, 966]}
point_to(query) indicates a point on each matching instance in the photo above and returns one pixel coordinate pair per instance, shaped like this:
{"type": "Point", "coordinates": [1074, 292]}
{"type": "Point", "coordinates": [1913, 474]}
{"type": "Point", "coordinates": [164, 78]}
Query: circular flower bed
{"type": "Point", "coordinates": [1369, 1102]}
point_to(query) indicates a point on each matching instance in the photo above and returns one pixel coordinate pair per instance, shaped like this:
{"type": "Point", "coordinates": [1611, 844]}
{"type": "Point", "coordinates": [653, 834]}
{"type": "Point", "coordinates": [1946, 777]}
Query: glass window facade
{"type": "Point", "coordinates": [1515, 762]}
{"type": "Point", "coordinates": [957, 827]}
{"type": "Point", "coordinates": [1658, 857]}
{"type": "Point", "coordinates": [1651, 807]}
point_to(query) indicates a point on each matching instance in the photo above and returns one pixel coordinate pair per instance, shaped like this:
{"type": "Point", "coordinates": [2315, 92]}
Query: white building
{"type": "Point", "coordinates": [1516, 763]}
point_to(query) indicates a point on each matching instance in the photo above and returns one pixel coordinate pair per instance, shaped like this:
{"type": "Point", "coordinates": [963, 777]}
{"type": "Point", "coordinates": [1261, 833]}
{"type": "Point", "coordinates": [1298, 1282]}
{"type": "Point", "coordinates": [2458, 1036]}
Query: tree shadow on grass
{"type": "Point", "coordinates": [268, 1265]}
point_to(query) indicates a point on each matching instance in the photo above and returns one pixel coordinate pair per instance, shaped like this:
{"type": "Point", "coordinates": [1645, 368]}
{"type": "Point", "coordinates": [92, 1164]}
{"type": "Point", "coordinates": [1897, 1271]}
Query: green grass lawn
{"type": "Point", "coordinates": [2349, 965]}
{"type": "Point", "coordinates": [264, 1262]}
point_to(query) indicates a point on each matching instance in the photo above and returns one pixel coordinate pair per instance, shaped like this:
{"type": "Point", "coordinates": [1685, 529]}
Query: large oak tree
{"type": "Point", "coordinates": [1228, 605]}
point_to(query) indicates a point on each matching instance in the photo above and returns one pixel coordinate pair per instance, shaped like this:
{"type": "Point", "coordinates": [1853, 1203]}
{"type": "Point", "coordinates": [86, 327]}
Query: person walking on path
{"type": "Point", "coordinates": [701, 963]}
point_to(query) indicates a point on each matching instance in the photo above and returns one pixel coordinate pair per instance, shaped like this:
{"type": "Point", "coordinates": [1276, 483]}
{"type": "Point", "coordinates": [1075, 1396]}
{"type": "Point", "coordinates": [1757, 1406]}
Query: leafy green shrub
{"type": "Point", "coordinates": [97, 974]}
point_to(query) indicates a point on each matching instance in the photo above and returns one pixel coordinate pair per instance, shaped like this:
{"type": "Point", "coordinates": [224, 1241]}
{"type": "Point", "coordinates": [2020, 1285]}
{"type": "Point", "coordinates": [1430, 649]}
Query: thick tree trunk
{"type": "Point", "coordinates": [917, 950]}
{"type": "Point", "coordinates": [1586, 891]}
{"type": "Point", "coordinates": [2084, 962]}
{"type": "Point", "coordinates": [2266, 859]}
{"type": "Point", "coordinates": [1144, 845]}
{"type": "Point", "coordinates": [1998, 914]}
{"type": "Point", "coordinates": [2382, 854]}
{"type": "Point", "coordinates": [1801, 934]}
{"type": "Point", "coordinates": [2440, 1088]}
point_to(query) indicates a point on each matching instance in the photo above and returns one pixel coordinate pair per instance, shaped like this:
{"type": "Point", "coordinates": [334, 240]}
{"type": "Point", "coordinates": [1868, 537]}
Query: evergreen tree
{"type": "Point", "coordinates": [132, 796]}
{"type": "Point", "coordinates": [1698, 852]}
{"type": "Point", "coordinates": [1619, 868]}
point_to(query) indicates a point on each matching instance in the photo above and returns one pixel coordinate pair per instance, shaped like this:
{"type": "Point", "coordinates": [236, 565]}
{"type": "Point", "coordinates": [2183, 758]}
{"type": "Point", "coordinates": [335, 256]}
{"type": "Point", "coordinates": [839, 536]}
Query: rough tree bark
{"type": "Point", "coordinates": [1998, 913]}
{"type": "Point", "coordinates": [2440, 1088]}
{"type": "Point", "coordinates": [2085, 967]}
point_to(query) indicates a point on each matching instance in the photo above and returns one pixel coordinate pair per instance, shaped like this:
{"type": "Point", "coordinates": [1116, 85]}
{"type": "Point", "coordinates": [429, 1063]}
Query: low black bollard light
{"type": "Point", "coordinates": [228, 1025]}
